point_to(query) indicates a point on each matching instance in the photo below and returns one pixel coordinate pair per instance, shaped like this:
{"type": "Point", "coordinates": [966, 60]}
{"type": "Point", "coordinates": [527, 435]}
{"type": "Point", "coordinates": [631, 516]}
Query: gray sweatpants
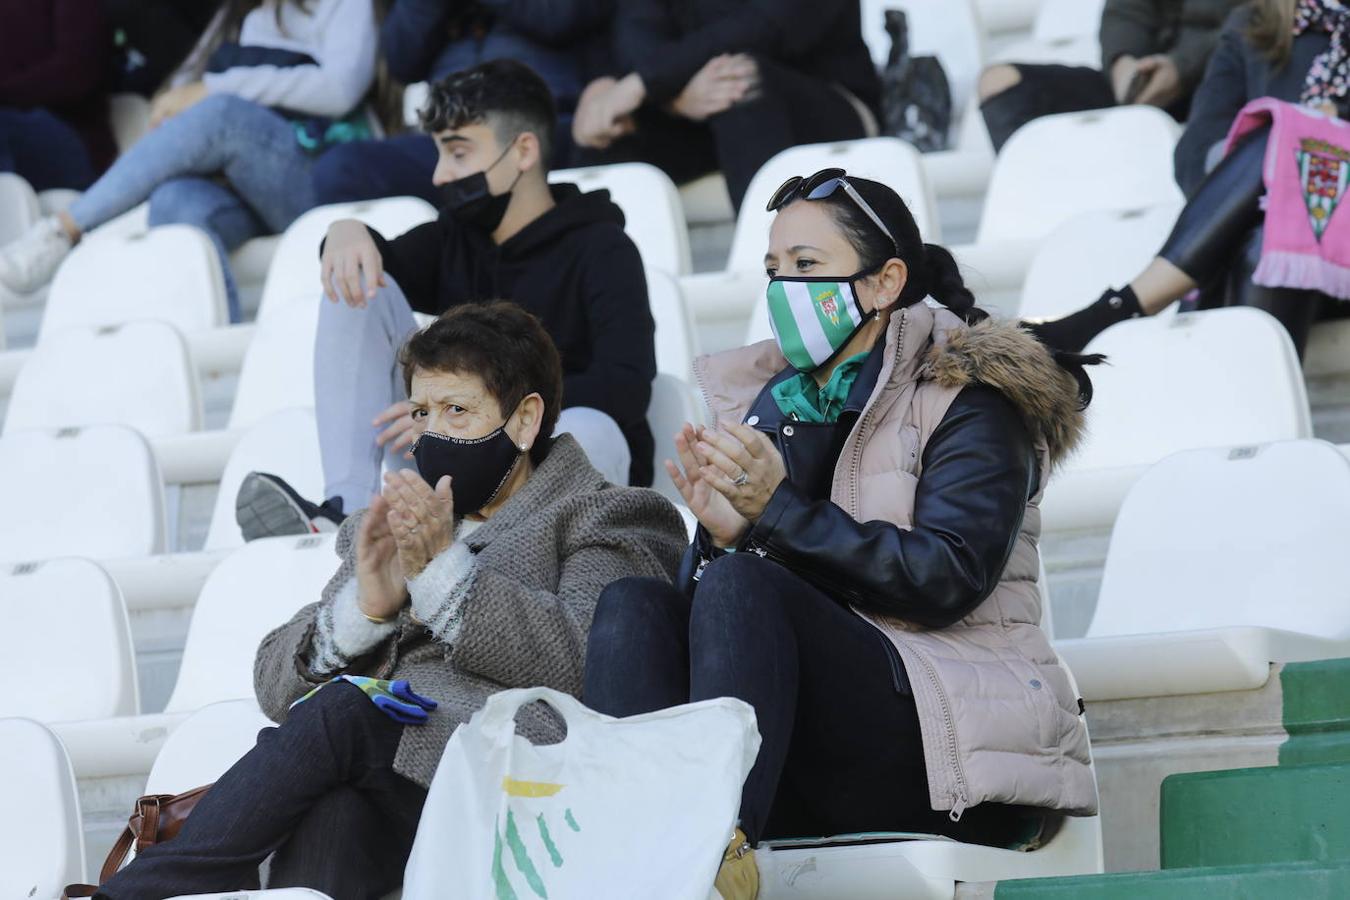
{"type": "Point", "coordinates": [357, 376]}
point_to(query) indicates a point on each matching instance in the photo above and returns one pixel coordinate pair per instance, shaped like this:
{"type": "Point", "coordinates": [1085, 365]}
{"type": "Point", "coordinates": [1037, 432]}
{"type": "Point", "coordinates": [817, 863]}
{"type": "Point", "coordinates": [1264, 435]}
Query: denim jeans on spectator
{"type": "Point", "coordinates": [261, 176]}
{"type": "Point", "coordinates": [319, 791]}
{"type": "Point", "coordinates": [357, 376]}
{"type": "Point", "coordinates": [46, 151]}
{"type": "Point", "coordinates": [841, 750]}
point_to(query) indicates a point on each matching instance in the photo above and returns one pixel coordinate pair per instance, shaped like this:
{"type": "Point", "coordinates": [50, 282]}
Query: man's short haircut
{"type": "Point", "coordinates": [500, 343]}
{"type": "Point", "coordinates": [504, 94]}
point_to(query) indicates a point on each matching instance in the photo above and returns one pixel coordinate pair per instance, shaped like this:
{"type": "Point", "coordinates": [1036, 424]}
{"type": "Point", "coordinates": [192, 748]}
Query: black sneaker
{"type": "Point", "coordinates": [267, 506]}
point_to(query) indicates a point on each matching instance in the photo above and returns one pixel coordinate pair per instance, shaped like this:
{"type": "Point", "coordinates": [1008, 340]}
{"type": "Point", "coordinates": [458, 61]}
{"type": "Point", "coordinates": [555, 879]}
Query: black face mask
{"type": "Point", "coordinates": [478, 467]}
{"type": "Point", "coordinates": [470, 201]}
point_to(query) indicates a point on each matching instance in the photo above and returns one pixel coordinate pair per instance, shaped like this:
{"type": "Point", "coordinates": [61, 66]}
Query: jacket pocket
{"type": "Point", "coordinates": [899, 677]}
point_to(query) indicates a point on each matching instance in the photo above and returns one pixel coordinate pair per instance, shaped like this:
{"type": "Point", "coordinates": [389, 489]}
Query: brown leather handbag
{"type": "Point", "coordinates": [157, 818]}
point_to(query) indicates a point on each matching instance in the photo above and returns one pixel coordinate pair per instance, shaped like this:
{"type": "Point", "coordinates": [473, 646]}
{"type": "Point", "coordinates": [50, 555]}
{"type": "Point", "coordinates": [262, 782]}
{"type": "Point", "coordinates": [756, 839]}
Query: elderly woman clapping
{"type": "Point", "coordinates": [479, 573]}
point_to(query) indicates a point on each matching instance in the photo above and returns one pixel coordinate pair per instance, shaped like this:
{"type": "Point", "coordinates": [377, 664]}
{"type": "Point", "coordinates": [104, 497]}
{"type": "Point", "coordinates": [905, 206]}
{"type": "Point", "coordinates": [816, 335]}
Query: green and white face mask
{"type": "Point", "coordinates": [813, 318]}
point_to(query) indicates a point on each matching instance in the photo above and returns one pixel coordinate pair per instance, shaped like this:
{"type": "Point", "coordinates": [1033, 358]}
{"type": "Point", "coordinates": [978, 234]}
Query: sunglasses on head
{"type": "Point", "coordinates": [821, 185]}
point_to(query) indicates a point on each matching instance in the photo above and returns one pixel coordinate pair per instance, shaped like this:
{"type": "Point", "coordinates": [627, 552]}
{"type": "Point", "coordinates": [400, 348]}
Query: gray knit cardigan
{"type": "Point", "coordinates": [508, 604]}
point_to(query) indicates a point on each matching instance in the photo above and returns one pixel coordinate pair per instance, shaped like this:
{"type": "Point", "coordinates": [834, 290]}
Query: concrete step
{"type": "Point", "coordinates": [1247, 816]}
{"type": "Point", "coordinates": [1300, 716]}
{"type": "Point", "coordinates": [1252, 882]}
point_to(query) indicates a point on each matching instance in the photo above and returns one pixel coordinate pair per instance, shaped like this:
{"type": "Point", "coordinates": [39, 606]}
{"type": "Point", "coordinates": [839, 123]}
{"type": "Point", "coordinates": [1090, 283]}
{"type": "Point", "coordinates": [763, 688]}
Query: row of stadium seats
{"type": "Point", "coordinates": [1185, 610]}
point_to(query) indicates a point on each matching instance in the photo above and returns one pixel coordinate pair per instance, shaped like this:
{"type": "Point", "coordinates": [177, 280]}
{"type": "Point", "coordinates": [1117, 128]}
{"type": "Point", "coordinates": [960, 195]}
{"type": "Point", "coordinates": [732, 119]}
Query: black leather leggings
{"type": "Point", "coordinates": [1217, 238]}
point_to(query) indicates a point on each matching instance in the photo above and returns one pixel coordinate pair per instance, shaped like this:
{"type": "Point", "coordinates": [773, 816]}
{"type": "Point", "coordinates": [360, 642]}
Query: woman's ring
{"type": "Point", "coordinates": [412, 529]}
{"type": "Point", "coordinates": [741, 478]}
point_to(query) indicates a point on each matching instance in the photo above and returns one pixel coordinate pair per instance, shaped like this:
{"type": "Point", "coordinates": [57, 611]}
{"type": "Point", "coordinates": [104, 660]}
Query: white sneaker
{"type": "Point", "coordinates": [30, 261]}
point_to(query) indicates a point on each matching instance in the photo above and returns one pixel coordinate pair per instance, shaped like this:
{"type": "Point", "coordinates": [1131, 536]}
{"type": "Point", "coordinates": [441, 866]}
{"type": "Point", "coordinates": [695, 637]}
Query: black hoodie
{"type": "Point", "coordinates": [576, 270]}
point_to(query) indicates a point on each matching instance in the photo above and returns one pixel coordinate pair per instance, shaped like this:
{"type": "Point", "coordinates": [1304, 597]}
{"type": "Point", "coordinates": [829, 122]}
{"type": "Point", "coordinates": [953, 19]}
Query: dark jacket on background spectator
{"type": "Point", "coordinates": [1239, 73]}
{"type": "Point", "coordinates": [151, 37]}
{"type": "Point", "coordinates": [576, 270]}
{"type": "Point", "coordinates": [52, 55]}
{"type": "Point", "coordinates": [1185, 30]}
{"type": "Point", "coordinates": [428, 39]}
{"type": "Point", "coordinates": [668, 41]}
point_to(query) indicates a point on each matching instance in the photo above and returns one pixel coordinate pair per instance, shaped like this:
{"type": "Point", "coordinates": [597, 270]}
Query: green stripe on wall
{"type": "Point", "coordinates": [1316, 712]}
{"type": "Point", "coordinates": [1297, 880]}
{"type": "Point", "coordinates": [1270, 814]}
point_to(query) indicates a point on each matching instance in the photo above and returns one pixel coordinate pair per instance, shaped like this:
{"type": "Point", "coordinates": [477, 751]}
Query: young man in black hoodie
{"type": "Point", "coordinates": [503, 233]}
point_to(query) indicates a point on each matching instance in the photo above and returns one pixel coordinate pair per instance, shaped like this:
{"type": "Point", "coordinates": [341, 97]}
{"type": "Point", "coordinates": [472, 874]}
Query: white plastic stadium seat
{"type": "Point", "coordinates": [653, 215]}
{"type": "Point", "coordinates": [253, 590]}
{"type": "Point", "coordinates": [129, 116]}
{"type": "Point", "coordinates": [18, 207]}
{"type": "Point", "coordinates": [1074, 19]}
{"type": "Point", "coordinates": [286, 443]}
{"type": "Point", "coordinates": [96, 677]}
{"type": "Point", "coordinates": [1221, 561]}
{"type": "Point", "coordinates": [1089, 253]}
{"type": "Point", "coordinates": [1065, 32]}
{"type": "Point", "coordinates": [676, 336]}
{"type": "Point", "coordinates": [947, 29]}
{"type": "Point", "coordinates": [1055, 167]}
{"type": "Point", "coordinates": [92, 491]}
{"type": "Point", "coordinates": [171, 273]}
{"type": "Point", "coordinates": [733, 293]}
{"type": "Point", "coordinates": [295, 265]}
{"type": "Point", "coordinates": [43, 848]}
{"type": "Point", "coordinates": [1218, 378]}
{"type": "Point", "coordinates": [705, 200]}
{"type": "Point", "coordinates": [138, 374]}
{"type": "Point", "coordinates": [205, 745]}
{"type": "Point", "coordinates": [674, 402]}
{"type": "Point", "coordinates": [278, 368]}
{"type": "Point", "coordinates": [917, 866]}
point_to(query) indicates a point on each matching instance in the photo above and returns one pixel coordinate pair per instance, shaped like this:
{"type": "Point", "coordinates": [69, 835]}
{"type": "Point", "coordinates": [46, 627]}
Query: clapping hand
{"type": "Point", "coordinates": [714, 512]}
{"type": "Point", "coordinates": [723, 82]}
{"type": "Point", "coordinates": [420, 519]}
{"type": "Point", "coordinates": [605, 111]}
{"type": "Point", "coordinates": [743, 466]}
{"type": "Point", "coordinates": [379, 573]}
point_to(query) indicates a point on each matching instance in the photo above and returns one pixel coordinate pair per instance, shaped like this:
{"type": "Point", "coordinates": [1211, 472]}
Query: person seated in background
{"type": "Point", "coordinates": [726, 84]}
{"type": "Point", "coordinates": [53, 108]}
{"type": "Point", "coordinates": [151, 38]}
{"type": "Point", "coordinates": [477, 573]}
{"type": "Point", "coordinates": [269, 87]}
{"type": "Point", "coordinates": [1291, 50]}
{"type": "Point", "coordinates": [864, 570]}
{"type": "Point", "coordinates": [1153, 52]}
{"type": "Point", "coordinates": [503, 231]}
{"type": "Point", "coordinates": [426, 40]}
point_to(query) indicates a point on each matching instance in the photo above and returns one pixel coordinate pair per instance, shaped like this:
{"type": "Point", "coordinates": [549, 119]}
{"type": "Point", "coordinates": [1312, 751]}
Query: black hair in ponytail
{"type": "Point", "coordinates": [932, 270]}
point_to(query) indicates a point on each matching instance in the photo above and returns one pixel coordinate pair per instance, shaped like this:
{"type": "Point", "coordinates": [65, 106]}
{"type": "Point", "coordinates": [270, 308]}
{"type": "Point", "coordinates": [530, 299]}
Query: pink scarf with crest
{"type": "Point", "coordinates": [1306, 243]}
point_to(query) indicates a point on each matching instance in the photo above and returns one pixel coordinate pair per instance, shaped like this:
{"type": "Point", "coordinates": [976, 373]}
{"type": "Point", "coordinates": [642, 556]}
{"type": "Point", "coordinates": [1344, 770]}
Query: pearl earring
{"type": "Point", "coordinates": [524, 446]}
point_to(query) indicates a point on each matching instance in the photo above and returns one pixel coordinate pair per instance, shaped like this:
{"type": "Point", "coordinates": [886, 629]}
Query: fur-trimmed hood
{"type": "Point", "coordinates": [1003, 356]}
{"type": "Point", "coordinates": [928, 342]}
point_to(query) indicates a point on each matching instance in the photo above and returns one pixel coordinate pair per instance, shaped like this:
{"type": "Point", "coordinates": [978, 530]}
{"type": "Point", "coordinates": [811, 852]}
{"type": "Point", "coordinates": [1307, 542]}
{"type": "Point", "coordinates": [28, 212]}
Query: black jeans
{"type": "Point", "coordinates": [319, 791]}
{"type": "Point", "coordinates": [841, 750]}
{"type": "Point", "coordinates": [1047, 90]}
{"type": "Point", "coordinates": [788, 109]}
{"type": "Point", "coordinates": [1217, 240]}
{"type": "Point", "coordinates": [1043, 91]}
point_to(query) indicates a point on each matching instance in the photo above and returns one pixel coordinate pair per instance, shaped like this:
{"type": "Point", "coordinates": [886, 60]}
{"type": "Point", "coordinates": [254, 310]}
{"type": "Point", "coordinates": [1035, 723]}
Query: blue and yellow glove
{"type": "Point", "coordinates": [393, 698]}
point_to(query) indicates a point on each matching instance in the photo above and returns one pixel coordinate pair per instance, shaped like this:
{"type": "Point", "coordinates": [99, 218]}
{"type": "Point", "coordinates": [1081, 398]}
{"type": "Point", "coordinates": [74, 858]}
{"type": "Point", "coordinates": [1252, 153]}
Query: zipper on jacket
{"type": "Point", "coordinates": [867, 418]}
{"type": "Point", "coordinates": [702, 564]}
{"type": "Point", "coordinates": [962, 798]}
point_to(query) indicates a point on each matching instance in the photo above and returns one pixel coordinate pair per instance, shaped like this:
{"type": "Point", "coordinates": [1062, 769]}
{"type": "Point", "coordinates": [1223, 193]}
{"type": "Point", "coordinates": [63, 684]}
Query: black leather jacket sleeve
{"type": "Point", "coordinates": [979, 469]}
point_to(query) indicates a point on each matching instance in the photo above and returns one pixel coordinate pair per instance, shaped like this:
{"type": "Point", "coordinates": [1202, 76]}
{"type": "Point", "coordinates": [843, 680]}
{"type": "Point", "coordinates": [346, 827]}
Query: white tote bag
{"type": "Point", "coordinates": [622, 808]}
